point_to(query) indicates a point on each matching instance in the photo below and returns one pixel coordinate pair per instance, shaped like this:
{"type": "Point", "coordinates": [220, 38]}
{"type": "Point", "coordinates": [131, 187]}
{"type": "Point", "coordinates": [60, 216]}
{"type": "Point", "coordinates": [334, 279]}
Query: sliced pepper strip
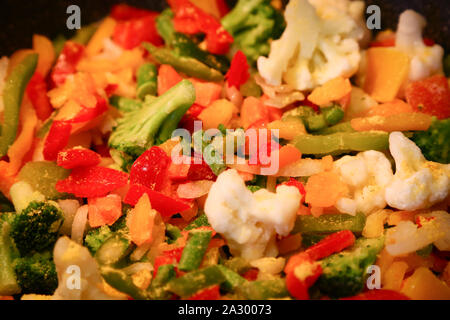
{"type": "Point", "coordinates": [78, 157]}
{"type": "Point", "coordinates": [238, 73]}
{"type": "Point", "coordinates": [37, 92]}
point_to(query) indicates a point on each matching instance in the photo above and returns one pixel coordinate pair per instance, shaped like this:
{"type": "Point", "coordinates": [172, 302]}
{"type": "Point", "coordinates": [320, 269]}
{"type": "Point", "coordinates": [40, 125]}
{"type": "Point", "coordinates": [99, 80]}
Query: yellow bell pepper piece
{"type": "Point", "coordinates": [424, 285]}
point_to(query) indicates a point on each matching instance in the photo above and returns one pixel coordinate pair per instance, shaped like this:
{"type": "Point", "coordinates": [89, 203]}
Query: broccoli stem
{"type": "Point", "coordinates": [233, 21]}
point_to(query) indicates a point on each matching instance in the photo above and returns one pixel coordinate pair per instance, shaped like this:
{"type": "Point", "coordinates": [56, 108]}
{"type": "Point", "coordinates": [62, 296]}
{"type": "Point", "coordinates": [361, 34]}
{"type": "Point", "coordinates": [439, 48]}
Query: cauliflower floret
{"type": "Point", "coordinates": [367, 174]}
{"type": "Point", "coordinates": [4, 62]}
{"type": "Point", "coordinates": [425, 60]}
{"type": "Point", "coordinates": [319, 43]}
{"type": "Point", "coordinates": [417, 183]}
{"type": "Point", "coordinates": [250, 221]}
{"type": "Point", "coordinates": [408, 237]}
{"type": "Point", "coordinates": [68, 253]}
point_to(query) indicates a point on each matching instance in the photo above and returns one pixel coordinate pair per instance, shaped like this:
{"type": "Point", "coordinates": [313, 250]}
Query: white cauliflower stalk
{"type": "Point", "coordinates": [408, 237]}
{"type": "Point", "coordinates": [250, 221]}
{"type": "Point", "coordinates": [417, 183]}
{"type": "Point", "coordinates": [320, 43]}
{"type": "Point", "coordinates": [425, 60]}
{"type": "Point", "coordinates": [367, 174]}
{"type": "Point", "coordinates": [68, 253]}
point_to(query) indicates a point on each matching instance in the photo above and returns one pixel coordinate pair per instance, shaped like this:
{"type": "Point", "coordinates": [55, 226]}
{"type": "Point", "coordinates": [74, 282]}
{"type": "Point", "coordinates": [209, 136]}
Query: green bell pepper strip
{"type": "Point", "coordinates": [125, 104]}
{"type": "Point", "coordinates": [164, 25]}
{"type": "Point", "coordinates": [194, 281]}
{"type": "Point", "coordinates": [333, 115]}
{"type": "Point", "coordinates": [329, 223]}
{"type": "Point", "coordinates": [13, 91]}
{"type": "Point", "coordinates": [263, 289]}
{"type": "Point", "coordinates": [187, 65]}
{"type": "Point", "coordinates": [342, 142]}
{"type": "Point", "coordinates": [121, 281]}
{"type": "Point", "coordinates": [58, 44]}
{"type": "Point", "coordinates": [340, 127]}
{"type": "Point", "coordinates": [172, 233]}
{"type": "Point", "coordinates": [146, 76]}
{"type": "Point", "coordinates": [193, 252]}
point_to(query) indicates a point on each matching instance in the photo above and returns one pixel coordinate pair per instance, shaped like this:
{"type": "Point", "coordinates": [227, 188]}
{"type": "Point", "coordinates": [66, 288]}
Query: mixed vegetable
{"type": "Point", "coordinates": [136, 155]}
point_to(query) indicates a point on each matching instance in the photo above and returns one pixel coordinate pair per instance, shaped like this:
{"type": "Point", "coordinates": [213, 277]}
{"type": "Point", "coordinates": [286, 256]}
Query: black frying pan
{"type": "Point", "coordinates": [19, 19]}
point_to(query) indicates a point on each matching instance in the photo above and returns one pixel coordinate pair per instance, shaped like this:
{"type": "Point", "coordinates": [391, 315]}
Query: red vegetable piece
{"type": "Point", "coordinates": [238, 73]}
{"type": "Point", "coordinates": [165, 205]}
{"type": "Point", "coordinates": [87, 182]}
{"type": "Point", "coordinates": [131, 33]}
{"type": "Point", "coordinates": [210, 293]}
{"type": "Point", "coordinates": [187, 122]}
{"type": "Point", "coordinates": [37, 92]}
{"type": "Point", "coordinates": [333, 243]}
{"type": "Point", "coordinates": [104, 210]}
{"type": "Point", "coordinates": [200, 172]}
{"type": "Point", "coordinates": [431, 96]}
{"type": "Point", "coordinates": [150, 169]}
{"type": "Point", "coordinates": [66, 63]}
{"type": "Point", "coordinates": [178, 172]}
{"type": "Point", "coordinates": [87, 114]}
{"type": "Point", "coordinates": [77, 157]}
{"type": "Point", "coordinates": [378, 294]}
{"type": "Point", "coordinates": [294, 183]}
{"type": "Point", "coordinates": [57, 138]}
{"type": "Point", "coordinates": [298, 288]}
{"type": "Point", "coordinates": [167, 78]}
{"type": "Point", "coordinates": [125, 12]}
{"type": "Point", "coordinates": [251, 275]}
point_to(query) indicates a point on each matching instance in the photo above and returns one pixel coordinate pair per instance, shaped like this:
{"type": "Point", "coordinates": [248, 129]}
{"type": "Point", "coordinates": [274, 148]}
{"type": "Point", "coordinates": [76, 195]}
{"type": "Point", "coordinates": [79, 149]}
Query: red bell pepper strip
{"type": "Point", "coordinates": [294, 183]}
{"type": "Point", "coordinates": [190, 19]}
{"type": "Point", "coordinates": [77, 157]}
{"type": "Point", "coordinates": [131, 33]}
{"type": "Point", "coordinates": [37, 92]}
{"type": "Point", "coordinates": [430, 96]}
{"type": "Point", "coordinates": [150, 169]}
{"type": "Point", "coordinates": [87, 182]}
{"type": "Point", "coordinates": [223, 7]}
{"type": "Point", "coordinates": [238, 73]}
{"type": "Point", "coordinates": [168, 257]}
{"type": "Point", "coordinates": [122, 12]}
{"type": "Point", "coordinates": [87, 114]}
{"type": "Point", "coordinates": [165, 205]}
{"type": "Point", "coordinates": [66, 63]}
{"type": "Point", "coordinates": [378, 294]}
{"type": "Point", "coordinates": [210, 293]}
{"type": "Point", "coordinates": [201, 172]}
{"type": "Point", "coordinates": [57, 138]}
{"type": "Point", "coordinates": [298, 288]}
{"type": "Point", "coordinates": [333, 243]}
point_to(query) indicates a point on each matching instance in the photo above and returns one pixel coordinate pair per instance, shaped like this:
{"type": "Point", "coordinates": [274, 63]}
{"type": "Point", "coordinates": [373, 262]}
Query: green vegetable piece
{"type": "Point", "coordinates": [201, 221]}
{"type": "Point", "coordinates": [137, 130]}
{"type": "Point", "coordinates": [251, 89]}
{"type": "Point", "coordinates": [316, 122]}
{"type": "Point", "coordinates": [187, 65]}
{"type": "Point", "coordinates": [329, 223]}
{"type": "Point", "coordinates": [8, 280]}
{"type": "Point", "coordinates": [254, 188]}
{"type": "Point", "coordinates": [342, 142]}
{"type": "Point", "coordinates": [263, 289]}
{"type": "Point", "coordinates": [195, 249]}
{"type": "Point", "coordinates": [42, 176]}
{"type": "Point", "coordinates": [172, 233]}
{"type": "Point", "coordinates": [434, 142]}
{"type": "Point", "coordinates": [37, 273]}
{"type": "Point", "coordinates": [5, 204]}
{"type": "Point", "coordinates": [36, 228]}
{"type": "Point", "coordinates": [158, 286]}
{"type": "Point", "coordinates": [425, 251]}
{"type": "Point", "coordinates": [13, 92]}
{"type": "Point", "coordinates": [45, 128]}
{"type": "Point", "coordinates": [114, 249]}
{"type": "Point", "coordinates": [194, 281]}
{"type": "Point", "coordinates": [83, 35]}
{"type": "Point", "coordinates": [238, 265]}
{"type": "Point", "coordinates": [233, 280]}
{"type": "Point", "coordinates": [125, 104]}
{"type": "Point", "coordinates": [333, 115]}
{"type": "Point", "coordinates": [310, 239]}
{"type": "Point", "coordinates": [121, 281]}
{"type": "Point", "coordinates": [345, 273]}
{"type": "Point", "coordinates": [96, 237]}
{"type": "Point", "coordinates": [146, 80]}
{"type": "Point", "coordinates": [341, 127]}
{"type": "Point", "coordinates": [164, 25]}
{"type": "Point", "coordinates": [58, 44]}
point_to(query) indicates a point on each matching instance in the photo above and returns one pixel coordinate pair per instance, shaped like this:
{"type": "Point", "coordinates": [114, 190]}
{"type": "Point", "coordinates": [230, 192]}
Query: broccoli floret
{"type": "Point", "coordinates": [252, 24]}
{"type": "Point", "coordinates": [36, 273]}
{"type": "Point", "coordinates": [344, 273]}
{"type": "Point", "coordinates": [138, 130]}
{"type": "Point", "coordinates": [36, 228]}
{"type": "Point", "coordinates": [96, 237]}
{"type": "Point", "coordinates": [434, 142]}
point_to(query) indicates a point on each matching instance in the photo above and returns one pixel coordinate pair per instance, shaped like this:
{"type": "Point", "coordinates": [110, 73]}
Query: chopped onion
{"type": "Point", "coordinates": [234, 95]}
{"type": "Point", "coordinates": [194, 189]}
{"type": "Point", "coordinates": [269, 265]}
{"type": "Point", "coordinates": [279, 96]}
{"type": "Point", "coordinates": [69, 207]}
{"type": "Point", "coordinates": [79, 224]}
{"type": "Point", "coordinates": [138, 266]}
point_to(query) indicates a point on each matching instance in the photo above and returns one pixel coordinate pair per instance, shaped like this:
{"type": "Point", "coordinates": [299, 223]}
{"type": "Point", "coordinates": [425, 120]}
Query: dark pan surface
{"type": "Point", "coordinates": [19, 19]}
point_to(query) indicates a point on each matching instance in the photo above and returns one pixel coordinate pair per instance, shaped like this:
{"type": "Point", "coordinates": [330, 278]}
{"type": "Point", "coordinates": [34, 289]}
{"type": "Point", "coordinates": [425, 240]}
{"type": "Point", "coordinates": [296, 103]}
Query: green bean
{"type": "Point", "coordinates": [263, 289]}
{"type": "Point", "coordinates": [195, 249]}
{"type": "Point", "coordinates": [329, 223]}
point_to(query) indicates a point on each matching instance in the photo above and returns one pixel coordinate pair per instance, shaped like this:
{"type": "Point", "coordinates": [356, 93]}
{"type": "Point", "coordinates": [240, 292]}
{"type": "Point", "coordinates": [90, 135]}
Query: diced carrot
{"type": "Point", "coordinates": [393, 107]}
{"type": "Point", "coordinates": [253, 110]}
{"type": "Point", "coordinates": [167, 78]}
{"type": "Point", "coordinates": [6, 179]}
{"type": "Point", "coordinates": [287, 154]}
{"type": "Point", "coordinates": [290, 243]}
{"type": "Point", "coordinates": [44, 47]}
{"type": "Point", "coordinates": [333, 90]}
{"type": "Point", "coordinates": [397, 122]}
{"type": "Point", "coordinates": [104, 210]}
{"type": "Point", "coordinates": [206, 92]}
{"type": "Point", "coordinates": [387, 70]}
{"type": "Point", "coordinates": [141, 220]}
{"type": "Point", "coordinates": [394, 275]}
{"type": "Point", "coordinates": [219, 112]}
{"type": "Point", "coordinates": [104, 31]}
{"type": "Point", "coordinates": [324, 189]}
